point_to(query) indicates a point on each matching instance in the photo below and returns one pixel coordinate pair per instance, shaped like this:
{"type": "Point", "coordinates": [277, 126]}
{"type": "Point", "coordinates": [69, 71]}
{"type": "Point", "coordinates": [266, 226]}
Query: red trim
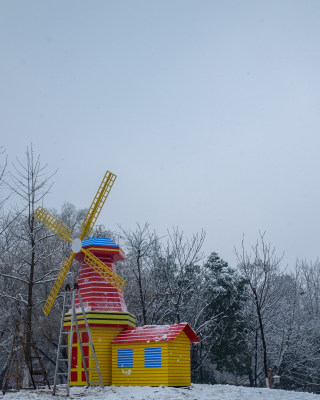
{"type": "Point", "coordinates": [191, 334]}
{"type": "Point", "coordinates": [74, 376]}
{"type": "Point", "coordinates": [74, 357]}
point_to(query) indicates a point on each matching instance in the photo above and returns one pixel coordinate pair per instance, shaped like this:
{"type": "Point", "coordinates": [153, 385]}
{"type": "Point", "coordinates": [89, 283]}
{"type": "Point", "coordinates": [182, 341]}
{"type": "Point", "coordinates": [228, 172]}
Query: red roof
{"type": "Point", "coordinates": [155, 333]}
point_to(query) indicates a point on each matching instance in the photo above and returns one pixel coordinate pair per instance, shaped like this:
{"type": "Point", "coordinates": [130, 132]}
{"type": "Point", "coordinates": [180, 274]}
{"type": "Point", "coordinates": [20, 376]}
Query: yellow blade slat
{"type": "Point", "coordinates": [97, 204]}
{"type": "Point", "coordinates": [103, 270]}
{"type": "Point", "coordinates": [57, 284]}
{"type": "Point", "coordinates": [53, 223]}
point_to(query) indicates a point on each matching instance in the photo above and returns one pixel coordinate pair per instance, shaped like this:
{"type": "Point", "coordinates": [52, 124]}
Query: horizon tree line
{"type": "Point", "coordinates": [250, 318]}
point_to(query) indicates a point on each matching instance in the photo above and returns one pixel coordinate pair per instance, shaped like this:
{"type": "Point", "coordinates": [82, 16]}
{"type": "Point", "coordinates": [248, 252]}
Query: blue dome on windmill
{"type": "Point", "coordinates": [99, 242]}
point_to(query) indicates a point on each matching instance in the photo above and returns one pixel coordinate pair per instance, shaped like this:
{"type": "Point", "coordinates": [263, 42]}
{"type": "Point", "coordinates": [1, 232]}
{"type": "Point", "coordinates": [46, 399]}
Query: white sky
{"type": "Point", "coordinates": [208, 112]}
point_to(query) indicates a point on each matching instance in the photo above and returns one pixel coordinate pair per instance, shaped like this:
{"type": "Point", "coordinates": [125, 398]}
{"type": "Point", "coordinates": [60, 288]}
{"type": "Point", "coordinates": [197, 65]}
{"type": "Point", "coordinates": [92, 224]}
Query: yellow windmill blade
{"type": "Point", "coordinates": [97, 204]}
{"type": "Point", "coordinates": [64, 233]}
{"type": "Point", "coordinates": [57, 284]}
{"type": "Point", "coordinates": [53, 223]}
{"type": "Point", "coordinates": [110, 276]}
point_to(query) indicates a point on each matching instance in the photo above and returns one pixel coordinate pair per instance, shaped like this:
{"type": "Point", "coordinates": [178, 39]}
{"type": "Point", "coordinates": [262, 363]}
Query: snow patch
{"type": "Point", "coordinates": [194, 392]}
{"type": "Point", "coordinates": [126, 372]}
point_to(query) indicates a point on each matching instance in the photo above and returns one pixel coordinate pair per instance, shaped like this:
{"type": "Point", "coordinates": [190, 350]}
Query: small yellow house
{"type": "Point", "coordinates": [153, 355]}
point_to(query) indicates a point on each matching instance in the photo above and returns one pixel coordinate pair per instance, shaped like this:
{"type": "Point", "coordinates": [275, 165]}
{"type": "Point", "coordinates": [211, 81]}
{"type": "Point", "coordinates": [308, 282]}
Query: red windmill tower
{"type": "Point", "coordinates": [98, 294]}
{"type": "Point", "coordinates": [105, 307]}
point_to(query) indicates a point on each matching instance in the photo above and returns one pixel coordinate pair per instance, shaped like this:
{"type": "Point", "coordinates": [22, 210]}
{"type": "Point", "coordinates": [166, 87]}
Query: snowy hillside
{"type": "Point", "coordinates": [196, 392]}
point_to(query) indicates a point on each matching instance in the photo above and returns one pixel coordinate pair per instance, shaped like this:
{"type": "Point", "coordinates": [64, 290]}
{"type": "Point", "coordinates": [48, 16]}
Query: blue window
{"type": "Point", "coordinates": [152, 357]}
{"type": "Point", "coordinates": [125, 358]}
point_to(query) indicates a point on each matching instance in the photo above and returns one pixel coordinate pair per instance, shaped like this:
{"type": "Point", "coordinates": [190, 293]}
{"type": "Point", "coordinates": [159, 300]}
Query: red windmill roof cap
{"type": "Point", "coordinates": [155, 333]}
{"type": "Point", "coordinates": [102, 247]}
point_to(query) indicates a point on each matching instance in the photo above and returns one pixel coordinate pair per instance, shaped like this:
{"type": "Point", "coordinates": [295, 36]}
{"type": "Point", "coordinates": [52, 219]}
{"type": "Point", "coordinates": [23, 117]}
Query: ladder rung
{"type": "Point", "coordinates": [63, 359]}
{"type": "Point", "coordinates": [38, 372]}
{"type": "Point", "coordinates": [92, 369]}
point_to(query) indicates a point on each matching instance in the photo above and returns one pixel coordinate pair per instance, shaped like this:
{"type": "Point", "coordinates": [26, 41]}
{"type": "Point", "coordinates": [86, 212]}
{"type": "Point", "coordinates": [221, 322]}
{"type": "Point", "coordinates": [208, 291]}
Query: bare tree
{"type": "Point", "coordinates": [143, 249]}
{"type": "Point", "coordinates": [161, 277]}
{"type": "Point", "coordinates": [182, 273]}
{"type": "Point", "coordinates": [5, 217]}
{"type": "Point", "coordinates": [261, 269]}
{"type": "Point", "coordinates": [301, 363]}
{"type": "Point", "coordinates": [30, 182]}
{"type": "Point", "coordinates": [3, 167]}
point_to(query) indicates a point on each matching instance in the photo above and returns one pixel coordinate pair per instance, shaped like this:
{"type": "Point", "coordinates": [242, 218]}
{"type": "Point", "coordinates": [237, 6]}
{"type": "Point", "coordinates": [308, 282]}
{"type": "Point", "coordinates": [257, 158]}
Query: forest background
{"type": "Point", "coordinates": [251, 317]}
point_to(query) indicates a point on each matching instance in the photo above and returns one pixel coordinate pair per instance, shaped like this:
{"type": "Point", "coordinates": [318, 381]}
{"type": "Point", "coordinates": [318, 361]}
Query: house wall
{"type": "Point", "coordinates": [179, 361]}
{"type": "Point", "coordinates": [102, 338]}
{"type": "Point", "coordinates": [138, 375]}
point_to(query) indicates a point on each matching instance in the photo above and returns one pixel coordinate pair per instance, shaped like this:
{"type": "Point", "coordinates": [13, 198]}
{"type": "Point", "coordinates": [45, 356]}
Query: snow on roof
{"type": "Point", "coordinates": [155, 333]}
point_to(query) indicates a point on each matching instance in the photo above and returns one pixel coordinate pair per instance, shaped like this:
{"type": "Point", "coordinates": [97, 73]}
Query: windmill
{"type": "Point", "coordinates": [64, 233]}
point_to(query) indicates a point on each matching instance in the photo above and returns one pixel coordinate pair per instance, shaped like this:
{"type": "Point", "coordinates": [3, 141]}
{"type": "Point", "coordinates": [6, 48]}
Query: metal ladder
{"type": "Point", "coordinates": [69, 303]}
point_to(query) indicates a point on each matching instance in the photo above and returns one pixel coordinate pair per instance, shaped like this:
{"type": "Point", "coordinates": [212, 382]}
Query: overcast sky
{"type": "Point", "coordinates": [207, 111]}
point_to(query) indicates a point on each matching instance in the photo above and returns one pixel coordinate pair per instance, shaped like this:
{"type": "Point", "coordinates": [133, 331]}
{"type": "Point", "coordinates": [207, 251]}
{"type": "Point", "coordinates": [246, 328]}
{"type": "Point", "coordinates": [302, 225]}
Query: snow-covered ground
{"type": "Point", "coordinates": [196, 392]}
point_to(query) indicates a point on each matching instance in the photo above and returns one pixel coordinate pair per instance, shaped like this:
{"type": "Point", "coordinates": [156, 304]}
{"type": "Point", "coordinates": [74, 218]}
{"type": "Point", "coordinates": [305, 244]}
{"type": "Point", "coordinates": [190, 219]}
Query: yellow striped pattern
{"type": "Point", "coordinates": [174, 370]}
{"type": "Point", "coordinates": [102, 338]}
{"type": "Point", "coordinates": [179, 361]}
{"type": "Point", "coordinates": [138, 375]}
{"type": "Point", "coordinates": [103, 318]}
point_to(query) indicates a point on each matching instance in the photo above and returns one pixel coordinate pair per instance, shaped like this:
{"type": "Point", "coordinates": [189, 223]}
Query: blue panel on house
{"type": "Point", "coordinates": [152, 357]}
{"type": "Point", "coordinates": [125, 358]}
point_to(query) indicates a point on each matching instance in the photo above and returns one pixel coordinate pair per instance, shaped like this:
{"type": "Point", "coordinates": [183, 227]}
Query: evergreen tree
{"type": "Point", "coordinates": [227, 290]}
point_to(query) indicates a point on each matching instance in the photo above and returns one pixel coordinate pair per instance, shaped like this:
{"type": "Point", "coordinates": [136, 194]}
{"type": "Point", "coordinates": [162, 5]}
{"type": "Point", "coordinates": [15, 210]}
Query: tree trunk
{"type": "Point", "coordinates": [264, 345]}
{"type": "Point", "coordinates": [143, 305]}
